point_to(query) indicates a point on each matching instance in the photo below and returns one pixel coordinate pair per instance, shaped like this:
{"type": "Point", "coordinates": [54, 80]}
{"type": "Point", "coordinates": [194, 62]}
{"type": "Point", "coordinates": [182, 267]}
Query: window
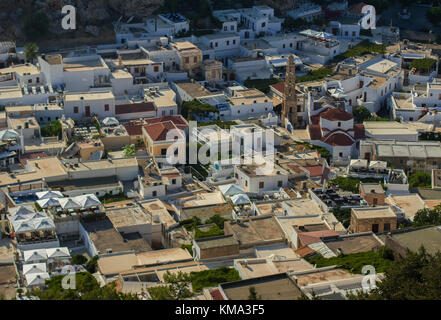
{"type": "Point", "coordinates": [216, 44]}
{"type": "Point", "coordinates": [156, 69]}
{"type": "Point", "coordinates": [173, 181]}
{"type": "Point", "coordinates": [386, 227]}
{"type": "Point", "coordinates": [75, 109]}
{"type": "Point", "coordinates": [299, 109]}
{"type": "Point", "coordinates": [280, 183]}
{"type": "Point", "coordinates": [284, 46]}
{"type": "Point", "coordinates": [195, 59]}
{"type": "Point", "coordinates": [186, 60]}
{"type": "Point", "coordinates": [339, 124]}
{"type": "Point", "coordinates": [261, 185]}
{"type": "Point", "coordinates": [234, 41]}
{"type": "Point", "coordinates": [225, 28]}
{"type": "Point", "coordinates": [232, 28]}
{"type": "Point", "coordinates": [30, 81]}
{"type": "Point", "coordinates": [246, 183]}
{"type": "Point", "coordinates": [290, 45]}
{"type": "Point", "coordinates": [346, 33]}
{"type": "Point", "coordinates": [106, 107]}
{"type": "Point", "coordinates": [164, 151]}
{"type": "Point", "coordinates": [375, 228]}
{"type": "Point", "coordinates": [228, 42]}
{"type": "Point", "coordinates": [154, 193]}
{"type": "Point", "coordinates": [340, 154]}
{"type": "Point", "coordinates": [375, 201]}
{"type": "Point", "coordinates": [136, 70]}
{"type": "Point", "coordinates": [263, 24]}
{"type": "Point", "coordinates": [353, 33]}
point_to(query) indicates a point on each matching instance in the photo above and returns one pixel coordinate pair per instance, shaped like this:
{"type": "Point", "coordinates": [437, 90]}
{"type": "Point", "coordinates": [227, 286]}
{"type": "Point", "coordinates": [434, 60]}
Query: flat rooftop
{"type": "Point", "coordinates": [322, 275]}
{"type": "Point", "coordinates": [374, 212]}
{"type": "Point", "coordinates": [194, 89]}
{"type": "Point", "coordinates": [354, 243]}
{"type": "Point", "coordinates": [86, 183]}
{"type": "Point", "coordinates": [272, 287]}
{"type": "Point", "coordinates": [409, 203]}
{"type": "Point", "coordinates": [216, 242]}
{"type": "Point", "coordinates": [93, 95]}
{"type": "Point", "coordinates": [429, 237]}
{"type": "Point", "coordinates": [104, 237]}
{"type": "Point", "coordinates": [254, 230]}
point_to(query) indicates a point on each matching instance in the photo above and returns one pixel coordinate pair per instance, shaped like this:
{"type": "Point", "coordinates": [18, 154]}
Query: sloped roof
{"type": "Point", "coordinates": [134, 107]}
{"type": "Point", "coordinates": [158, 131]}
{"type": "Point", "coordinates": [336, 114]}
{"type": "Point", "coordinates": [338, 139]}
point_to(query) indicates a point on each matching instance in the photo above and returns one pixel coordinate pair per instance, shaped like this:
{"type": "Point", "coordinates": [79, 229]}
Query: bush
{"type": "Point", "coordinates": [195, 107]}
{"type": "Point", "coordinates": [92, 264]}
{"type": "Point", "coordinates": [354, 263]}
{"type": "Point", "coordinates": [343, 215]}
{"type": "Point", "coordinates": [362, 48]}
{"type": "Point", "coordinates": [188, 247]}
{"type": "Point", "coordinates": [427, 217]}
{"type": "Point", "coordinates": [315, 75]}
{"type": "Point", "coordinates": [79, 259]}
{"type": "Point", "coordinates": [212, 232]}
{"type": "Point", "coordinates": [53, 129]}
{"type": "Point", "coordinates": [420, 180]}
{"type": "Point", "coordinates": [425, 64]}
{"type": "Point", "coordinates": [213, 277]}
{"type": "Point", "coordinates": [261, 84]}
{"type": "Point", "coordinates": [217, 219]}
{"type": "Point", "coordinates": [361, 114]}
{"type": "Point", "coordinates": [352, 184]}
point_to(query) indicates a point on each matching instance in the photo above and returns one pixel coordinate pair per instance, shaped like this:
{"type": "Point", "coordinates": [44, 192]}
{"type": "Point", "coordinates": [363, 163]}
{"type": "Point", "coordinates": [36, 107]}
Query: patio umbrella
{"type": "Point", "coordinates": [8, 134]}
{"type": "Point", "coordinates": [44, 224]}
{"type": "Point", "coordinates": [51, 202]}
{"type": "Point", "coordinates": [20, 210]}
{"type": "Point", "coordinates": [49, 194]}
{"type": "Point", "coordinates": [69, 203]}
{"type": "Point", "coordinates": [110, 121]}
{"type": "Point", "coordinates": [88, 200]}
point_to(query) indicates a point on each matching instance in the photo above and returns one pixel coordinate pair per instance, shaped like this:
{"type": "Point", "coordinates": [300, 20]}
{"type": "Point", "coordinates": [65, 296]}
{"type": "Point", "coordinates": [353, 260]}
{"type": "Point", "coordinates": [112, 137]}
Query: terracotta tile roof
{"type": "Point", "coordinates": [303, 252]}
{"type": "Point", "coordinates": [315, 132]}
{"type": "Point", "coordinates": [280, 86]}
{"type": "Point", "coordinates": [338, 139]}
{"type": "Point", "coordinates": [335, 114]}
{"type": "Point", "coordinates": [134, 107]}
{"type": "Point", "coordinates": [359, 132]}
{"type": "Point", "coordinates": [134, 129]}
{"type": "Point", "coordinates": [158, 131]}
{"type": "Point", "coordinates": [314, 171]}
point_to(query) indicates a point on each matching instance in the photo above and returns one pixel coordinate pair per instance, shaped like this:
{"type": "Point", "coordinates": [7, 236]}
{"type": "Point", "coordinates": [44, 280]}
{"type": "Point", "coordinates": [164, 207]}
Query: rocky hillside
{"type": "Point", "coordinates": [92, 15]}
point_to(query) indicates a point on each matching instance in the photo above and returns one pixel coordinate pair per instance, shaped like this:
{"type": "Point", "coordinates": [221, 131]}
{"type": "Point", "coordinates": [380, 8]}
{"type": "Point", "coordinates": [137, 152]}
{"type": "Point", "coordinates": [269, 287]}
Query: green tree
{"type": "Point", "coordinates": [86, 288]}
{"type": "Point", "coordinates": [420, 179]}
{"type": "Point", "coordinates": [217, 219]}
{"type": "Point", "coordinates": [427, 217]}
{"type": "Point", "coordinates": [31, 51]}
{"type": "Point", "coordinates": [196, 108]}
{"type": "Point", "coordinates": [213, 277]}
{"type": "Point", "coordinates": [92, 264]}
{"type": "Point", "coordinates": [361, 113]}
{"type": "Point", "coordinates": [129, 150]}
{"type": "Point", "coordinates": [177, 287]}
{"type": "Point", "coordinates": [36, 25]}
{"type": "Point", "coordinates": [79, 259]}
{"type": "Point", "coordinates": [53, 129]}
{"type": "Point", "coordinates": [415, 277]}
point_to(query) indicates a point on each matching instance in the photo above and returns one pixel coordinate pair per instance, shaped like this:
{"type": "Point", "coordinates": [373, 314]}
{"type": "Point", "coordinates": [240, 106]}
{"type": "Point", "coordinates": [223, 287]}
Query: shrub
{"type": "Point", "coordinates": [213, 277]}
{"type": "Point", "coordinates": [420, 179]}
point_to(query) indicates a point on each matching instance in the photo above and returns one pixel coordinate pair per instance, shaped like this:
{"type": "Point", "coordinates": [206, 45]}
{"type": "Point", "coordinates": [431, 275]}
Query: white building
{"type": "Point", "coordinates": [89, 104]}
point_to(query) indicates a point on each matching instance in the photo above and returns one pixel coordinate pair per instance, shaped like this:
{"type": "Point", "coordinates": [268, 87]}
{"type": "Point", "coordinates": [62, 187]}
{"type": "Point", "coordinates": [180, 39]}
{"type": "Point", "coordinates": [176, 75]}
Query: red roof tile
{"type": "Point", "coordinates": [336, 114]}
{"type": "Point", "coordinates": [338, 139]}
{"type": "Point", "coordinates": [134, 129]}
{"type": "Point", "coordinates": [158, 131]}
{"type": "Point", "coordinates": [314, 171]}
{"type": "Point", "coordinates": [303, 252]}
{"type": "Point", "coordinates": [315, 132]}
{"type": "Point", "coordinates": [280, 86]}
{"type": "Point", "coordinates": [315, 236]}
{"type": "Point", "coordinates": [134, 107]}
{"type": "Point", "coordinates": [359, 132]}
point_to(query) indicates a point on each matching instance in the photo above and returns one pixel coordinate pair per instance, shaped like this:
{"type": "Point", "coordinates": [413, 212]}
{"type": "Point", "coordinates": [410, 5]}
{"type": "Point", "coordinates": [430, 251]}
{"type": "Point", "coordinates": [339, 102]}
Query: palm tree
{"type": "Point", "coordinates": [31, 51]}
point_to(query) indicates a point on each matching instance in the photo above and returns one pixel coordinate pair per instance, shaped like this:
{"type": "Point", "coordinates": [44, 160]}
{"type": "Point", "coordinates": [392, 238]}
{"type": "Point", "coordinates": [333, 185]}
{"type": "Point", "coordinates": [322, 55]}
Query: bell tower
{"type": "Point", "coordinates": [289, 106]}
